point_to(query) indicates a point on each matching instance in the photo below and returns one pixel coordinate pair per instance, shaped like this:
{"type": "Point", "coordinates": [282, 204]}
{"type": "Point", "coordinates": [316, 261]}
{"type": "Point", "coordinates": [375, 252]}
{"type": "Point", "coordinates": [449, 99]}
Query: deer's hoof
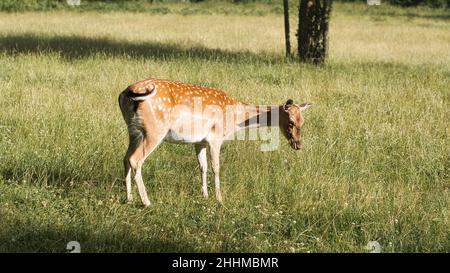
{"type": "Point", "coordinates": [219, 198]}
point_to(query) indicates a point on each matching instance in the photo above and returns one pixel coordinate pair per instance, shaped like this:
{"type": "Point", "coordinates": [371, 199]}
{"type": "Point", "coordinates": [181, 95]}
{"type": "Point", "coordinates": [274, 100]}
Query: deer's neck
{"type": "Point", "coordinates": [255, 116]}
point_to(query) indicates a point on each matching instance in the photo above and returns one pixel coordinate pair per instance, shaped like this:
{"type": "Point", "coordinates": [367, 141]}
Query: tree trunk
{"type": "Point", "coordinates": [287, 28]}
{"type": "Point", "coordinates": [312, 33]}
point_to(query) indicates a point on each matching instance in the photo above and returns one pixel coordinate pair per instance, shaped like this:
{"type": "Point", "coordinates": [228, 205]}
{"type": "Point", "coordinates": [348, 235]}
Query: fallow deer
{"type": "Point", "coordinates": [161, 110]}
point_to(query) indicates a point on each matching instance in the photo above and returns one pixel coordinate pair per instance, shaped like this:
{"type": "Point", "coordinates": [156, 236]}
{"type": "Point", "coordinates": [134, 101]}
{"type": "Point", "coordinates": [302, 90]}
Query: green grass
{"type": "Point", "coordinates": [375, 164]}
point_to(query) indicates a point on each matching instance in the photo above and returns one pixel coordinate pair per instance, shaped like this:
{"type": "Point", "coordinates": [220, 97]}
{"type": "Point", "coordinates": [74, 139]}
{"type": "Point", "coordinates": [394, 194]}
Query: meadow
{"type": "Point", "coordinates": [374, 167]}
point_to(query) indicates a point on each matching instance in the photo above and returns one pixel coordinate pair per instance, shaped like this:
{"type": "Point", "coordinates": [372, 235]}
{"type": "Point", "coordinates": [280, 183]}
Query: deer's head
{"type": "Point", "coordinates": [291, 122]}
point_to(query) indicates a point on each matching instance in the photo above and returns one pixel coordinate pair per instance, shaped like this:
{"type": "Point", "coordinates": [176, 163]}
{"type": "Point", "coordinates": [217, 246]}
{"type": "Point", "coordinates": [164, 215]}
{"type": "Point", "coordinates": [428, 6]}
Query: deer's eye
{"type": "Point", "coordinates": [292, 126]}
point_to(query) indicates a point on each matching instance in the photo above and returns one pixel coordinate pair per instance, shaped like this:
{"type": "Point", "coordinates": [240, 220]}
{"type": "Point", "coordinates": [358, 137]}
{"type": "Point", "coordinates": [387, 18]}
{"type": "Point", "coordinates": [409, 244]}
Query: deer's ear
{"type": "Point", "coordinates": [287, 105]}
{"type": "Point", "coordinates": [305, 106]}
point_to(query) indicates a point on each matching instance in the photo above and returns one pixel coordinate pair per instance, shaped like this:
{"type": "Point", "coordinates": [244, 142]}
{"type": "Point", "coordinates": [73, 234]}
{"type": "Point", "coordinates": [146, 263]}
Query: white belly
{"type": "Point", "coordinates": [179, 137]}
{"type": "Point", "coordinates": [189, 128]}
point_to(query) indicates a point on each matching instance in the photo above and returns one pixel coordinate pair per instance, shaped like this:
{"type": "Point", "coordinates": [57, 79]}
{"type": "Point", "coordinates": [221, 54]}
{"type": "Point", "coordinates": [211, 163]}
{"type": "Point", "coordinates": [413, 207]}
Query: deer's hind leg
{"type": "Point", "coordinates": [134, 159]}
{"type": "Point", "coordinates": [127, 166]}
{"type": "Point", "coordinates": [215, 160]}
{"type": "Point", "coordinates": [200, 150]}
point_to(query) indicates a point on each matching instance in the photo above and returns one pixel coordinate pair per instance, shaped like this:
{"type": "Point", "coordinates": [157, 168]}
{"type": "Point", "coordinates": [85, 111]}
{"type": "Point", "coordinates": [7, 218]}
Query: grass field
{"type": "Point", "coordinates": [376, 157]}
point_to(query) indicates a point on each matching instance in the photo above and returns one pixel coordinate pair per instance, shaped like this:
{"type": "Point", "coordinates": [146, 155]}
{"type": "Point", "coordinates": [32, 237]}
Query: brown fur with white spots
{"type": "Point", "coordinates": [159, 110]}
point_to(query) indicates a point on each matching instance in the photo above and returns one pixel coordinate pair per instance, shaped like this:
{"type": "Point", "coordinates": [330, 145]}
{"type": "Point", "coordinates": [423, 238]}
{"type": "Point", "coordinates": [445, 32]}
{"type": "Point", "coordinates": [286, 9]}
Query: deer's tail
{"type": "Point", "coordinates": [140, 94]}
{"type": "Point", "coordinates": [132, 95]}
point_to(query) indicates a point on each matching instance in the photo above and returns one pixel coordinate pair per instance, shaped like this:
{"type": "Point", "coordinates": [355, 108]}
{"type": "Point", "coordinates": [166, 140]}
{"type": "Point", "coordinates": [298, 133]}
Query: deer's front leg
{"type": "Point", "coordinates": [215, 158]}
{"type": "Point", "coordinates": [200, 150]}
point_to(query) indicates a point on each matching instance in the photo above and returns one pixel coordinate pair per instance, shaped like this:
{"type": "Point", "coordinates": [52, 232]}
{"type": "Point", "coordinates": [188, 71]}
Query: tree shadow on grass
{"type": "Point", "coordinates": [78, 47]}
{"type": "Point", "coordinates": [60, 178]}
{"type": "Point", "coordinates": [413, 15]}
{"type": "Point", "coordinates": [36, 239]}
{"type": "Point", "coordinates": [73, 48]}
